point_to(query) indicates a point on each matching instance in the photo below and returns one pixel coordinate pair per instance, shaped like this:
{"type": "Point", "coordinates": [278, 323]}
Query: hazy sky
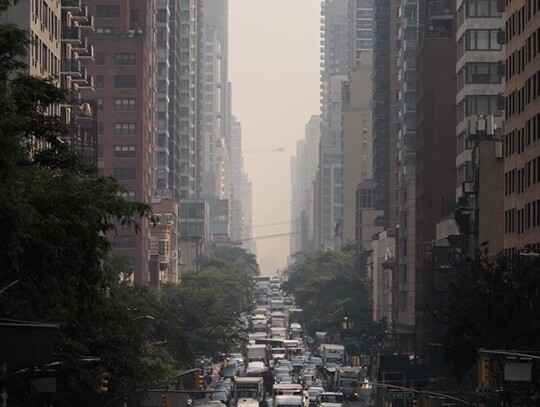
{"type": "Point", "coordinates": [274, 69]}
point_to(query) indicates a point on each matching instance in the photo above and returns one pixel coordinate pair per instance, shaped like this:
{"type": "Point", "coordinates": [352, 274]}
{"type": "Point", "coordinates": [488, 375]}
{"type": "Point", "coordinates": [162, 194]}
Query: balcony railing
{"type": "Point", "coordinates": [80, 46]}
{"type": "Point", "coordinates": [71, 35]}
{"type": "Point", "coordinates": [88, 84]}
{"type": "Point", "coordinates": [71, 67]}
{"type": "Point", "coordinates": [71, 5]}
{"type": "Point", "coordinates": [81, 78]}
{"type": "Point", "coordinates": [87, 53]}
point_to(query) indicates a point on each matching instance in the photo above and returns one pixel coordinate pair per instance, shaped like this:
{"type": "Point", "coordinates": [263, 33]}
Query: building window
{"type": "Point", "coordinates": [124, 104]}
{"type": "Point", "coordinates": [124, 151]}
{"type": "Point", "coordinates": [100, 129]}
{"type": "Point", "coordinates": [482, 73]}
{"type": "Point", "coordinates": [161, 158]}
{"type": "Point", "coordinates": [124, 242]}
{"type": "Point", "coordinates": [162, 140]}
{"type": "Point", "coordinates": [125, 58]}
{"type": "Point", "coordinates": [99, 103]}
{"type": "Point", "coordinates": [133, 16]}
{"type": "Point", "coordinates": [125, 129]}
{"type": "Point", "coordinates": [482, 105]}
{"type": "Point", "coordinates": [161, 16]}
{"type": "Point", "coordinates": [108, 30]}
{"type": "Point", "coordinates": [100, 151]}
{"type": "Point", "coordinates": [482, 8]}
{"type": "Point", "coordinates": [100, 81]}
{"type": "Point", "coordinates": [128, 195]}
{"type": "Point", "coordinates": [482, 40]}
{"type": "Point", "coordinates": [107, 11]}
{"type": "Point", "coordinates": [125, 81]}
{"type": "Point", "coordinates": [100, 58]}
{"type": "Point", "coordinates": [125, 174]}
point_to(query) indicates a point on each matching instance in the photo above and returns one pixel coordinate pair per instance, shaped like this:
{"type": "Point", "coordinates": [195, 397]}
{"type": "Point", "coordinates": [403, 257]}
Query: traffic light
{"type": "Point", "coordinates": [165, 400]}
{"type": "Point", "coordinates": [199, 381]}
{"type": "Point", "coordinates": [103, 383]}
{"type": "Point", "coordinates": [482, 371]}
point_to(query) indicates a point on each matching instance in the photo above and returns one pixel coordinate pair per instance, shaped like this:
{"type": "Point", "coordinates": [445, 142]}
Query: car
{"type": "Point", "coordinates": [331, 399]}
{"type": "Point", "coordinates": [220, 396]}
{"type": "Point", "coordinates": [317, 361]}
{"type": "Point", "coordinates": [307, 378]}
{"type": "Point", "coordinates": [230, 371]}
{"type": "Point", "coordinates": [314, 393]}
{"type": "Point", "coordinates": [284, 379]}
{"type": "Point", "coordinates": [280, 370]}
{"type": "Point", "coordinates": [284, 362]}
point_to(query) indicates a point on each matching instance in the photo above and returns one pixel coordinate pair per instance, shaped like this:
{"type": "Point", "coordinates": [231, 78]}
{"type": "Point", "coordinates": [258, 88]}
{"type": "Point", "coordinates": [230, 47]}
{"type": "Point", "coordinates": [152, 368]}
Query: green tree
{"type": "Point", "coordinates": [327, 285]}
{"type": "Point", "coordinates": [211, 300]}
{"type": "Point", "coordinates": [237, 257]}
{"type": "Point", "coordinates": [54, 220]}
{"type": "Point", "coordinates": [493, 304]}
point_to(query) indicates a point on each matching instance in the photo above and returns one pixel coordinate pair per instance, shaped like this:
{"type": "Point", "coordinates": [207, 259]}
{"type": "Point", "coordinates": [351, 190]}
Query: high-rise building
{"type": "Point", "coordinates": [303, 173]}
{"type": "Point", "coordinates": [59, 48]}
{"type": "Point", "coordinates": [235, 154]}
{"type": "Point", "coordinates": [216, 16]}
{"type": "Point", "coordinates": [42, 19]}
{"type": "Point", "coordinates": [357, 127]}
{"type": "Point", "coordinates": [214, 144]}
{"type": "Point", "coordinates": [247, 230]}
{"type": "Point", "coordinates": [405, 232]}
{"type": "Point", "coordinates": [435, 145]}
{"type": "Point", "coordinates": [381, 107]}
{"type": "Point", "coordinates": [334, 58]}
{"type": "Point", "coordinates": [125, 72]}
{"type": "Point", "coordinates": [522, 127]}
{"type": "Point", "coordinates": [479, 85]}
{"type": "Point", "coordinates": [357, 140]}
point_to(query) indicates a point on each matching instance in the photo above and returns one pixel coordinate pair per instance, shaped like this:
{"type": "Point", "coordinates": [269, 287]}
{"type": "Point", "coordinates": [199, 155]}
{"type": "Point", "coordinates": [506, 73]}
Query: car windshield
{"type": "Point", "coordinates": [348, 383]}
{"type": "Point", "coordinates": [247, 394]}
{"type": "Point", "coordinates": [331, 398]}
{"type": "Point", "coordinates": [219, 395]}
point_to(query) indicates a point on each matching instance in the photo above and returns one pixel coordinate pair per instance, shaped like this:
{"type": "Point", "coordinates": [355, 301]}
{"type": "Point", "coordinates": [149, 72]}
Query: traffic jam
{"type": "Point", "coordinates": [280, 365]}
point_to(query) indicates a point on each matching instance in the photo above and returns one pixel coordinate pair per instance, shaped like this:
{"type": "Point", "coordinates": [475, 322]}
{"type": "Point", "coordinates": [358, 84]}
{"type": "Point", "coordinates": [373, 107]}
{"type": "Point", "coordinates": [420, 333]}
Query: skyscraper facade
{"type": "Point", "coordinates": [125, 72]}
{"type": "Point", "coordinates": [303, 174]}
{"type": "Point", "coordinates": [334, 56]}
{"type": "Point", "coordinates": [522, 126]}
{"type": "Point", "coordinates": [405, 232]}
{"type": "Point", "coordinates": [435, 145]}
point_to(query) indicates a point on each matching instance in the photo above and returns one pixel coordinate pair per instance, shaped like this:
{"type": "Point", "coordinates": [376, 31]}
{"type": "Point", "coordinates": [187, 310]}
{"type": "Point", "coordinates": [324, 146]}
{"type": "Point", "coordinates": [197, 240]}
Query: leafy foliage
{"type": "Point", "coordinates": [494, 304]}
{"type": "Point", "coordinates": [211, 300]}
{"type": "Point", "coordinates": [56, 264]}
{"type": "Point", "coordinates": [236, 257]}
{"type": "Point", "coordinates": [328, 287]}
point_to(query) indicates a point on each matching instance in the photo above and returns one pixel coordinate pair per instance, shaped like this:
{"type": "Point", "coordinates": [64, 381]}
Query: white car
{"type": "Point", "coordinates": [331, 399]}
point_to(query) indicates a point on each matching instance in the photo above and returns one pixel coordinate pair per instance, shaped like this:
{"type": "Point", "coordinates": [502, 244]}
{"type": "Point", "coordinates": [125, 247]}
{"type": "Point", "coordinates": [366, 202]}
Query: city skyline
{"type": "Point", "coordinates": [289, 58]}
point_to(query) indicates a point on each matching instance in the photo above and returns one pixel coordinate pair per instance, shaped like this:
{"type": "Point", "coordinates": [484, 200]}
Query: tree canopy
{"type": "Point", "coordinates": [328, 286]}
{"type": "Point", "coordinates": [493, 304]}
{"type": "Point", "coordinates": [56, 264]}
{"type": "Point", "coordinates": [237, 257]}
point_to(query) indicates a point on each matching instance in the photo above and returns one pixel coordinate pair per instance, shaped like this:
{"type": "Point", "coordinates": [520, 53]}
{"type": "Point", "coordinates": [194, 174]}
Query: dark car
{"type": "Point", "coordinates": [230, 371]}
{"type": "Point", "coordinates": [220, 396]}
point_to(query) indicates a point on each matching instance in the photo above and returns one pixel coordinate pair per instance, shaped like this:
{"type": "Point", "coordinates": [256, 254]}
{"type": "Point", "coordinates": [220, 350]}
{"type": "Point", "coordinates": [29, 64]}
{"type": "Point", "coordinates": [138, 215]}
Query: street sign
{"type": "Point", "coordinates": [399, 394]}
